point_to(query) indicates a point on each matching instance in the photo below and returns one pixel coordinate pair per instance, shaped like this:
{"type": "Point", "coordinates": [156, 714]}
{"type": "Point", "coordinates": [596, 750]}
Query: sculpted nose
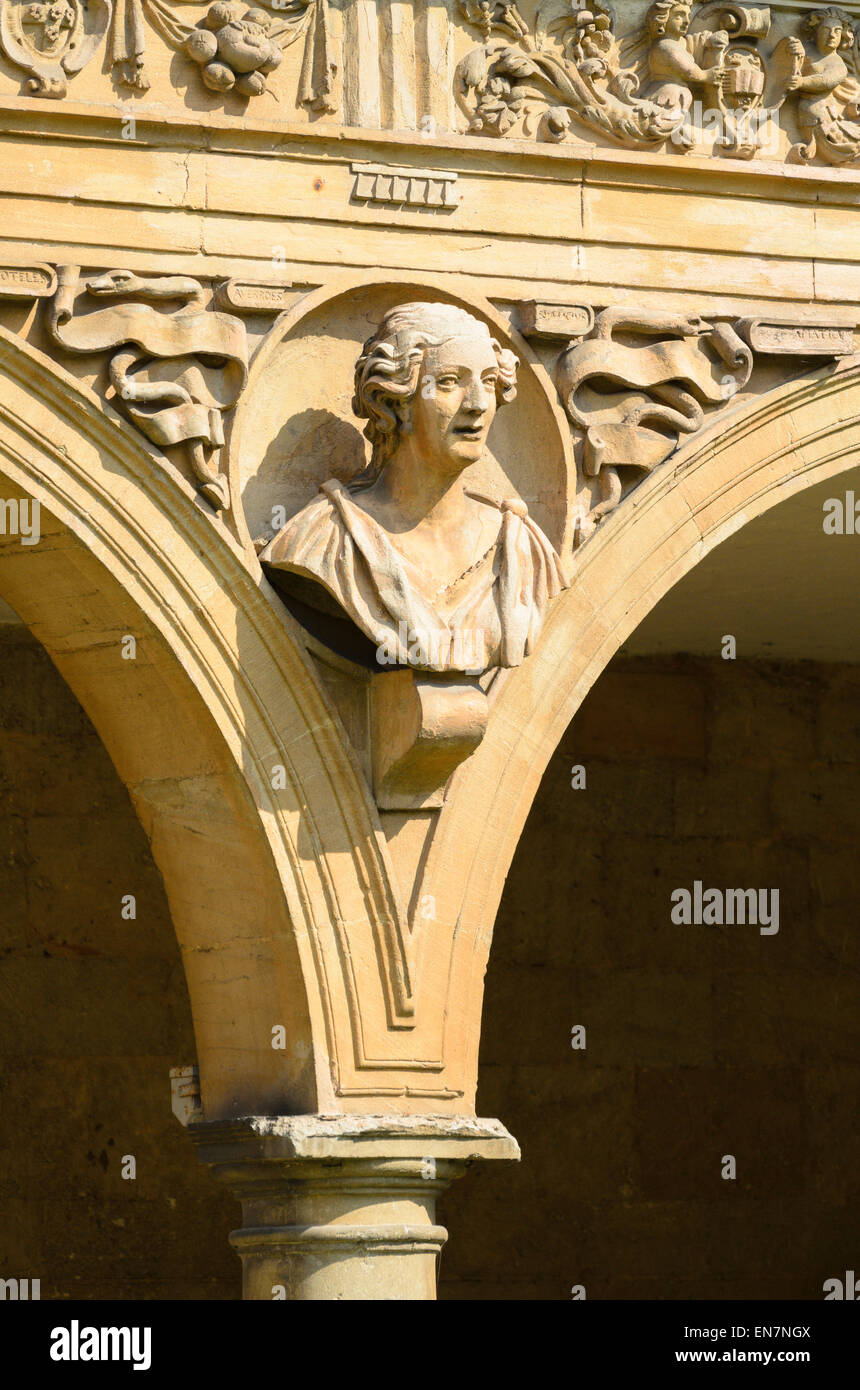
{"type": "Point", "coordinates": [477, 398]}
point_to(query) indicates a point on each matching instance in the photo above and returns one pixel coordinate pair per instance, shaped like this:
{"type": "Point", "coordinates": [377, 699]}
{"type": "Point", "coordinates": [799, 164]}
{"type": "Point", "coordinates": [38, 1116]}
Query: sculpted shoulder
{"type": "Point", "coordinates": [302, 533]}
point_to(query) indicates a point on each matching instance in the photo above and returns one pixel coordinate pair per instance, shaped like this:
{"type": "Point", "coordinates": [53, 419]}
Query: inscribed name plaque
{"type": "Point", "coordinates": [536, 320]}
{"type": "Point", "coordinates": [797, 339]}
{"type": "Point", "coordinates": [27, 281]}
{"type": "Point", "coordinates": [248, 297]}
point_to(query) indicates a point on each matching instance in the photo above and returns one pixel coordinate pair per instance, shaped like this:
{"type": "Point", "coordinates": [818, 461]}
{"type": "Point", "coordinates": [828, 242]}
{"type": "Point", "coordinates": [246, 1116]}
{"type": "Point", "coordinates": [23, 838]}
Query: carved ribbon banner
{"type": "Point", "coordinates": [633, 398]}
{"type": "Point", "coordinates": [175, 371]}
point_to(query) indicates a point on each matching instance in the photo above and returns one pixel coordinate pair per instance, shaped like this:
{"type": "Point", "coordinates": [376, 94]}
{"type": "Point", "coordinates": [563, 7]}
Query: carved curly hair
{"type": "Point", "coordinates": [836, 16]}
{"type": "Point", "coordinates": [387, 372]}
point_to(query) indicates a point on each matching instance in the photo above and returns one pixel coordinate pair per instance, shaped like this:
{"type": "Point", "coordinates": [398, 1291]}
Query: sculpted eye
{"type": "Point", "coordinates": [446, 381]}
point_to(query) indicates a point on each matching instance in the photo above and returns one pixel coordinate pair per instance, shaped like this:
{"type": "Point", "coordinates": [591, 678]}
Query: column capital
{"type": "Point", "coordinates": [343, 1206]}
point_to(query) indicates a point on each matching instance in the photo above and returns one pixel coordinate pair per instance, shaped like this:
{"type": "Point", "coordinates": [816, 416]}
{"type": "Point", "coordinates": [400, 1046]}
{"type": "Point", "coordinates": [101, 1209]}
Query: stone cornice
{"type": "Point", "coordinates": [84, 123]}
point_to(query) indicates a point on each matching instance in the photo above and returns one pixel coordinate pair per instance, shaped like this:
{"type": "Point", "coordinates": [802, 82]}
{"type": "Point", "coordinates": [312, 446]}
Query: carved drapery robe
{"type": "Point", "coordinates": [489, 616]}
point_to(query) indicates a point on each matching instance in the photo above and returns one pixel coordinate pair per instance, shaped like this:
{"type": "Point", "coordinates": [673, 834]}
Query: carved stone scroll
{"type": "Point", "coordinates": [162, 363]}
{"type": "Point", "coordinates": [638, 383]}
{"type": "Point", "coordinates": [550, 321]}
{"type": "Point", "coordinates": [251, 297]}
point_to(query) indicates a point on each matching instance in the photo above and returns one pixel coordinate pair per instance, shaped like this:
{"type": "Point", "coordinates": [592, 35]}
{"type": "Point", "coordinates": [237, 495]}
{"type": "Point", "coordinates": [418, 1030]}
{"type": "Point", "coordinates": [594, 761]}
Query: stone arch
{"type": "Point", "coordinates": [218, 694]}
{"type": "Point", "coordinates": [746, 462]}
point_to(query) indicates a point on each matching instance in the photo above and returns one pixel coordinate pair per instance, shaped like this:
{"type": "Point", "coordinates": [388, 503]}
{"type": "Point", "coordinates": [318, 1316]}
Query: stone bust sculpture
{"type": "Point", "coordinates": [436, 575]}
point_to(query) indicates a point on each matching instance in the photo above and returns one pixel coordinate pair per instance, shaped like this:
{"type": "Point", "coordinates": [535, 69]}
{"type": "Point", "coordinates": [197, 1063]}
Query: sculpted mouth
{"type": "Point", "coordinates": [469, 431]}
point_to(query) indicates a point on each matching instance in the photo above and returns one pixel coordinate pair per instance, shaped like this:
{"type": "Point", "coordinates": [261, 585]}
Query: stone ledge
{"type": "Point", "coordinates": [182, 132]}
{"type": "Point", "coordinates": [353, 1137]}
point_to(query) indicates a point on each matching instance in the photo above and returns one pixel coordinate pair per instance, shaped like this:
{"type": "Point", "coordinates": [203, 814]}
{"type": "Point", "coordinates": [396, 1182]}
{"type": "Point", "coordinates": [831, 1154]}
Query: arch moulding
{"type": "Point", "coordinates": [748, 460]}
{"type": "Point", "coordinates": [292, 900]}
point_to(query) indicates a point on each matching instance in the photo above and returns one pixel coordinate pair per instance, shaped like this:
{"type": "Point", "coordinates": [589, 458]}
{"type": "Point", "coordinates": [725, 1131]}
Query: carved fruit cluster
{"type": "Point", "coordinates": [234, 49]}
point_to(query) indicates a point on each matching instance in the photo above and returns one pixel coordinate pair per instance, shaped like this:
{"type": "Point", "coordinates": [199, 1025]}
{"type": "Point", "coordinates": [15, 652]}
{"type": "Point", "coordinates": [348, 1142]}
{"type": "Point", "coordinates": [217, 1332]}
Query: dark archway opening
{"type": "Point", "coordinates": [702, 1041]}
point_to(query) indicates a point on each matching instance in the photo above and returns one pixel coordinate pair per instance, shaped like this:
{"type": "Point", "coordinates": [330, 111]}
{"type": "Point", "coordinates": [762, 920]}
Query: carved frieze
{"type": "Point", "coordinates": [710, 79]}
{"type": "Point", "coordinates": [720, 79]}
{"type": "Point", "coordinates": [235, 47]}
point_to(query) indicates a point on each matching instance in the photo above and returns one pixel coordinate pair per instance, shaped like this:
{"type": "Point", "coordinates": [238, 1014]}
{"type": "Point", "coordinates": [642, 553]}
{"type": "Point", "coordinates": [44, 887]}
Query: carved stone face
{"type": "Point", "coordinates": [455, 403]}
{"type": "Point", "coordinates": [828, 36]}
{"type": "Point", "coordinates": [678, 22]}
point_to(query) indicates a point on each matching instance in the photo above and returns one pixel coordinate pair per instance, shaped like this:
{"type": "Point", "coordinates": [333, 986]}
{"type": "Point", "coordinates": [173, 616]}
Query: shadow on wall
{"type": "Point", "coordinates": [702, 1041]}
{"type": "Point", "coordinates": [94, 1012]}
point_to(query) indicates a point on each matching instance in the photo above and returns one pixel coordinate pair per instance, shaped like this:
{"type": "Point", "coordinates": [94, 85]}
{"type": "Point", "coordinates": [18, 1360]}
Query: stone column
{"type": "Point", "coordinates": [343, 1207]}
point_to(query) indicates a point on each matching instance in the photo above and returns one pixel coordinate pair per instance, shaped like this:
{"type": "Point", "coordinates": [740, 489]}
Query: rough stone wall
{"type": "Point", "coordinates": [93, 1013]}
{"type": "Point", "coordinates": [701, 1041]}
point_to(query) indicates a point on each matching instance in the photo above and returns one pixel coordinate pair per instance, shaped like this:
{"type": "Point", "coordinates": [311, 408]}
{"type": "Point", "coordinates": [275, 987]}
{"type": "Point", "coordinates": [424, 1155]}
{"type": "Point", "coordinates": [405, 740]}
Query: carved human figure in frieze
{"type": "Point", "coordinates": [829, 104]}
{"type": "Point", "coordinates": [672, 63]}
{"type": "Point", "coordinates": [437, 575]}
